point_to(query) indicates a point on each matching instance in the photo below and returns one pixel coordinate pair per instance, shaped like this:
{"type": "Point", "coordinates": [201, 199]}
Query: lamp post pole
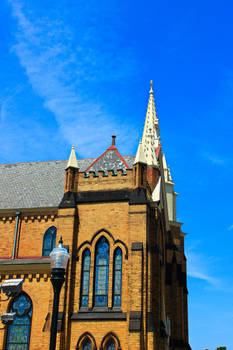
{"type": "Point", "coordinates": [57, 281]}
{"type": "Point", "coordinates": [59, 260]}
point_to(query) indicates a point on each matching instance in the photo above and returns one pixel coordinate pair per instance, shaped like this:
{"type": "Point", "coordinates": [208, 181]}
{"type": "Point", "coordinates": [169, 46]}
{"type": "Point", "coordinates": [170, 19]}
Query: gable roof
{"type": "Point", "coordinates": [109, 160]}
{"type": "Point", "coordinates": [39, 184]}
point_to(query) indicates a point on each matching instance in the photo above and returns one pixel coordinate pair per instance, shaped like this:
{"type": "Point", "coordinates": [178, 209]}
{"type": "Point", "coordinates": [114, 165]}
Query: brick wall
{"type": "Point", "coordinates": [153, 285]}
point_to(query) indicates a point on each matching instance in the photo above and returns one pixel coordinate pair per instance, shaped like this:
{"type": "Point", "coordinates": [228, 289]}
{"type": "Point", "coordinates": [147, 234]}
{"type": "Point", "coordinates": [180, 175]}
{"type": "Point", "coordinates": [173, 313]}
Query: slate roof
{"type": "Point", "coordinates": [109, 160]}
{"type": "Point", "coordinates": [41, 184]}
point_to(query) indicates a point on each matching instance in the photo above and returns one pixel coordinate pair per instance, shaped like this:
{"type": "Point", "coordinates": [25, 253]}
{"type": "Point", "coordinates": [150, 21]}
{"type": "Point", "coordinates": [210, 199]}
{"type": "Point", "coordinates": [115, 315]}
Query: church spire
{"type": "Point", "coordinates": [150, 138]}
{"type": "Point", "coordinates": [72, 162]}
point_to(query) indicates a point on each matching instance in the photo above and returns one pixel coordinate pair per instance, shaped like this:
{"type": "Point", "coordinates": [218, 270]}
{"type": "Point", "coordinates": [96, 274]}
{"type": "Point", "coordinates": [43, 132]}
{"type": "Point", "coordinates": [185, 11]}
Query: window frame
{"type": "Point", "coordinates": [51, 231]}
{"type": "Point", "coordinates": [83, 271]}
{"type": "Point", "coordinates": [114, 278]}
{"type": "Point", "coordinates": [28, 313]}
{"type": "Point", "coordinates": [97, 266]}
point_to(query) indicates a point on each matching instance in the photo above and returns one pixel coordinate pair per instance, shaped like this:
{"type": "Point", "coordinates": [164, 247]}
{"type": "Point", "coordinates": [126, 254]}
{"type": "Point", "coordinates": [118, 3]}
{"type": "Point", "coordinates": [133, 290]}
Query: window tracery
{"type": "Point", "coordinates": [101, 272]}
{"type": "Point", "coordinates": [18, 333]}
{"type": "Point", "coordinates": [86, 263]}
{"type": "Point", "coordinates": [117, 277]}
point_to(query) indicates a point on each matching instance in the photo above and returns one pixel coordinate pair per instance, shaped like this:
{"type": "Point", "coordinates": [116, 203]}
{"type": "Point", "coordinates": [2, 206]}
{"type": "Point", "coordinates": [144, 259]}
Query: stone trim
{"type": "Point", "coordinates": [98, 316]}
{"type": "Point", "coordinates": [134, 197]}
{"type": "Point", "coordinates": [24, 261]}
{"type": "Point", "coordinates": [135, 320]}
{"type": "Point", "coordinates": [136, 246]}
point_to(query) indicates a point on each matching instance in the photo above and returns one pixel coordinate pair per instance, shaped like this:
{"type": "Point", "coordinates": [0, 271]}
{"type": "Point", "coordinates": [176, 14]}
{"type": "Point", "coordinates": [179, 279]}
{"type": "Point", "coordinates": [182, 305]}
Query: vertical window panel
{"type": "Point", "coordinates": [49, 241]}
{"type": "Point", "coordinates": [18, 333]}
{"type": "Point", "coordinates": [101, 272]}
{"type": "Point", "coordinates": [86, 263]}
{"type": "Point", "coordinates": [117, 277]}
{"type": "Point", "coordinates": [110, 345]}
{"type": "Point", "coordinates": [86, 344]}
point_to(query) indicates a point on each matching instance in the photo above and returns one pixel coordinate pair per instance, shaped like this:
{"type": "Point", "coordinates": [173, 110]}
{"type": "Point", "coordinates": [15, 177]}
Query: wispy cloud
{"type": "Point", "coordinates": [230, 228]}
{"type": "Point", "coordinates": [199, 267]}
{"type": "Point", "coordinates": [59, 71]}
{"type": "Point", "coordinates": [214, 159]}
{"type": "Point", "coordinates": [6, 101]}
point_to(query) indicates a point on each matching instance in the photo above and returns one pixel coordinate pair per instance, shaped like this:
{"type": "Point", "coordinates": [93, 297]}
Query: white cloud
{"type": "Point", "coordinates": [57, 70]}
{"type": "Point", "coordinates": [214, 159]}
{"type": "Point", "coordinates": [199, 267]}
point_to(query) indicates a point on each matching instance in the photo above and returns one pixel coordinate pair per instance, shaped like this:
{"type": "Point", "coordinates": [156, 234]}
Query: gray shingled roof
{"type": "Point", "coordinates": [108, 161]}
{"type": "Point", "coordinates": [39, 184]}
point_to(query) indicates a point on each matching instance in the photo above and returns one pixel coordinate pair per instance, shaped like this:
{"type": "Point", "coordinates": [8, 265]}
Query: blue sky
{"type": "Point", "coordinates": [75, 72]}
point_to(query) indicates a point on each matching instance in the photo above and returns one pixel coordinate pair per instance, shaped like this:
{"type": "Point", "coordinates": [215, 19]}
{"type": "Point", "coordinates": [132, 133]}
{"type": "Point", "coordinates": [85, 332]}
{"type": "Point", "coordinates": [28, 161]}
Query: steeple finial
{"type": "Point", "coordinates": [151, 87]}
{"type": "Point", "coordinates": [72, 162]}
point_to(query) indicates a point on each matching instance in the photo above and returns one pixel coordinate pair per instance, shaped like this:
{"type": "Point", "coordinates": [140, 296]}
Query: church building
{"type": "Point", "coordinates": [125, 286]}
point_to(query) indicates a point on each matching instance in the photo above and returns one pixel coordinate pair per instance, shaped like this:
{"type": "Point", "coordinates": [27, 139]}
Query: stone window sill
{"type": "Point", "coordinates": [99, 314]}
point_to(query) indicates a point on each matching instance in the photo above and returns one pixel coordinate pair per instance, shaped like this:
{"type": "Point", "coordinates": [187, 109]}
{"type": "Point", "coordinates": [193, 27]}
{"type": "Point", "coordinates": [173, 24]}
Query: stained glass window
{"type": "Point", "coordinates": [49, 241]}
{"type": "Point", "coordinates": [86, 344]}
{"type": "Point", "coordinates": [110, 345]}
{"type": "Point", "coordinates": [117, 268]}
{"type": "Point", "coordinates": [101, 272]}
{"type": "Point", "coordinates": [86, 262]}
{"type": "Point", "coordinates": [18, 333]}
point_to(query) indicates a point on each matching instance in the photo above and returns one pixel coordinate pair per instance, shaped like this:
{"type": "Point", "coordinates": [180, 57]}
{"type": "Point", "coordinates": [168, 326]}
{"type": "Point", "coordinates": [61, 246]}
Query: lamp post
{"type": "Point", "coordinates": [59, 260]}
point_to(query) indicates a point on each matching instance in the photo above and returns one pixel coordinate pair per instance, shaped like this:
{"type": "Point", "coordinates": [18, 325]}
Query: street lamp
{"type": "Point", "coordinates": [59, 260]}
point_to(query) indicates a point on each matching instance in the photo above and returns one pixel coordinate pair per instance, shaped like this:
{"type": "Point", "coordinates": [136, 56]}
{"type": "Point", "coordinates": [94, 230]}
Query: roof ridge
{"type": "Point", "coordinates": [44, 161]}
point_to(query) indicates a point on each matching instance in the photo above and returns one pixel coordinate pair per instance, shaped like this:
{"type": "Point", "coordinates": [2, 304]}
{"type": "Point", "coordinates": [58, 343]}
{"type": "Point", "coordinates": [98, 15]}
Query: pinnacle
{"type": "Point", "coordinates": [72, 162]}
{"type": "Point", "coordinates": [140, 156]}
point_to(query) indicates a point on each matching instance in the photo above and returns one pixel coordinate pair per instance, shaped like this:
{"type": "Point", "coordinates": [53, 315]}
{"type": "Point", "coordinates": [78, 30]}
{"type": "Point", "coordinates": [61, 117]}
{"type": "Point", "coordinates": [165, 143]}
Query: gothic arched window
{"type": "Point", "coordinates": [101, 272]}
{"type": "Point", "coordinates": [86, 262]}
{"type": "Point", "coordinates": [49, 241]}
{"type": "Point", "coordinates": [18, 333]}
{"type": "Point", "coordinates": [110, 345]}
{"type": "Point", "coordinates": [86, 345]}
{"type": "Point", "coordinates": [86, 342]}
{"type": "Point", "coordinates": [117, 276]}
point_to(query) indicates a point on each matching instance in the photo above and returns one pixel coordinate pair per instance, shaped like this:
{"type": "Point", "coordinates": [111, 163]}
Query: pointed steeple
{"type": "Point", "coordinates": [72, 162]}
{"type": "Point", "coordinates": [140, 156]}
{"type": "Point", "coordinates": [151, 138]}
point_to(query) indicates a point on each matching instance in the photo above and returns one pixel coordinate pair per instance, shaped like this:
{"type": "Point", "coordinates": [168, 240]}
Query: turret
{"type": "Point", "coordinates": [140, 168]}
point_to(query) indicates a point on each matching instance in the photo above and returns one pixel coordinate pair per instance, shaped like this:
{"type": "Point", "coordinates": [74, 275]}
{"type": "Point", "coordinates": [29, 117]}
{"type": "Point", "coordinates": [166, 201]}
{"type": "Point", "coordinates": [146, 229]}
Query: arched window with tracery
{"type": "Point", "coordinates": [86, 342]}
{"type": "Point", "coordinates": [110, 345]}
{"type": "Point", "coordinates": [117, 277]}
{"type": "Point", "coordinates": [86, 345]}
{"type": "Point", "coordinates": [18, 333]}
{"type": "Point", "coordinates": [49, 241]}
{"type": "Point", "coordinates": [101, 272]}
{"type": "Point", "coordinates": [86, 263]}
